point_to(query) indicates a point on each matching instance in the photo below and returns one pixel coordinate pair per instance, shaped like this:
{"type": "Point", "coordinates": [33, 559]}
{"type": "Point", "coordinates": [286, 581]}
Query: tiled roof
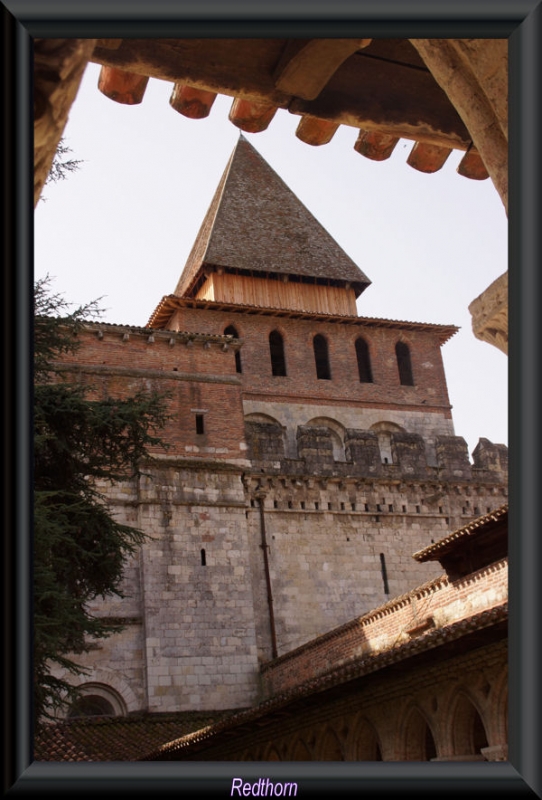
{"type": "Point", "coordinates": [256, 223]}
{"type": "Point", "coordinates": [115, 738]}
{"type": "Point", "coordinates": [170, 303]}
{"type": "Point", "coordinates": [467, 531]}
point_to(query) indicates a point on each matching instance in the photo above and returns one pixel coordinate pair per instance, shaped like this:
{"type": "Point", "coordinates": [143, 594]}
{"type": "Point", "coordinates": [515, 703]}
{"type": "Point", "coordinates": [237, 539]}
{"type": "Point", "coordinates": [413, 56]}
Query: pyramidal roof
{"type": "Point", "coordinates": [256, 223]}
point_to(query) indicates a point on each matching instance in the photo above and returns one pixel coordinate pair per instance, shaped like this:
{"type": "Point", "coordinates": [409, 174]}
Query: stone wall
{"type": "Point", "coordinates": [450, 709]}
{"type": "Point", "coordinates": [435, 604]}
{"type": "Point", "coordinates": [340, 518]}
{"type": "Point", "coordinates": [190, 639]}
{"type": "Point", "coordinates": [339, 547]}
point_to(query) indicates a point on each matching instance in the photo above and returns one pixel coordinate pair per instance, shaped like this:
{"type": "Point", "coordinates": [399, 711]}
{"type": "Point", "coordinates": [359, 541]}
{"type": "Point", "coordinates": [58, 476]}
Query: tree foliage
{"type": "Point", "coordinates": [79, 547]}
{"type": "Point", "coordinates": [62, 165]}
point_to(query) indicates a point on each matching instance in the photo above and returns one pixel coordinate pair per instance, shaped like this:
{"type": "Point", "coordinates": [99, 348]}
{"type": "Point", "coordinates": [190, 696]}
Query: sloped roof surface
{"type": "Point", "coordinates": [462, 535]}
{"type": "Point", "coordinates": [116, 738]}
{"type": "Point", "coordinates": [255, 222]}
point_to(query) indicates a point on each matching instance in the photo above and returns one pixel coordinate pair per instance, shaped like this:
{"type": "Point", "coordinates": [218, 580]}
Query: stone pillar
{"type": "Point", "coordinates": [315, 446]}
{"type": "Point", "coordinates": [498, 752]}
{"type": "Point", "coordinates": [408, 451]}
{"type": "Point", "coordinates": [491, 457]}
{"type": "Point", "coordinates": [265, 441]}
{"type": "Point", "coordinates": [474, 75]}
{"type": "Point", "coordinates": [362, 449]}
{"type": "Point", "coordinates": [453, 458]}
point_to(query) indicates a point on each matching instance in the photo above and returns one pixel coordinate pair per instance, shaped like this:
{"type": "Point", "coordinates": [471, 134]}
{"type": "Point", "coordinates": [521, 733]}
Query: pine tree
{"type": "Point", "coordinates": [62, 166]}
{"type": "Point", "coordinates": [79, 548]}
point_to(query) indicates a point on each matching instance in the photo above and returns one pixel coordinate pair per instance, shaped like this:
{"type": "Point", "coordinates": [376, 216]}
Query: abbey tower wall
{"type": "Point", "coordinates": [340, 524]}
{"type": "Point", "coordinates": [309, 456]}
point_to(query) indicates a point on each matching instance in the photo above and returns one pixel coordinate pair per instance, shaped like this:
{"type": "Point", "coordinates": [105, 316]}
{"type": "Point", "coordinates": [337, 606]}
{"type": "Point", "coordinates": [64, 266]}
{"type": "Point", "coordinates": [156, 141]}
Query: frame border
{"type": "Point", "coordinates": [518, 20]}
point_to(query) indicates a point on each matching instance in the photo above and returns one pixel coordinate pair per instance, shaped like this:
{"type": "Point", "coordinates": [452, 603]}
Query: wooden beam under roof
{"type": "Point", "coordinates": [382, 86]}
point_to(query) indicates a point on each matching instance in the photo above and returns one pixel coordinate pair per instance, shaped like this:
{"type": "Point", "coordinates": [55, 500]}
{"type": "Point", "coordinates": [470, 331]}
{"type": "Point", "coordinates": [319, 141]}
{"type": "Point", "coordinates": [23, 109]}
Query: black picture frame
{"type": "Point", "coordinates": [521, 22]}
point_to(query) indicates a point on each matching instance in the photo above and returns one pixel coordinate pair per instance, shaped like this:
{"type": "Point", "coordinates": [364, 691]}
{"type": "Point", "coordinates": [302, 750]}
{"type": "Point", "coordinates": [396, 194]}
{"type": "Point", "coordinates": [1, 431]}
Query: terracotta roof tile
{"type": "Point", "coordinates": [467, 531]}
{"type": "Point", "coordinates": [115, 738]}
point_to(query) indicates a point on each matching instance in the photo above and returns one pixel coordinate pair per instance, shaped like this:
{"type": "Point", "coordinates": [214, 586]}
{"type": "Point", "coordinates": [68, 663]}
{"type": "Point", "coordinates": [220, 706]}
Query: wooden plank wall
{"type": "Point", "coordinates": [261, 292]}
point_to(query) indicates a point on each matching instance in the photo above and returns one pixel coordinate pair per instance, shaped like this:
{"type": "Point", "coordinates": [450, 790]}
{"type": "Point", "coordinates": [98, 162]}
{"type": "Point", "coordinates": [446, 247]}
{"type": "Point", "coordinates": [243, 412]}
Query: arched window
{"type": "Point", "coordinates": [231, 331]}
{"type": "Point", "coordinates": [321, 357]}
{"type": "Point", "coordinates": [91, 705]}
{"type": "Point", "coordinates": [364, 361]}
{"type": "Point", "coordinates": [97, 700]}
{"type": "Point", "coordinates": [276, 349]}
{"type": "Point", "coordinates": [404, 364]}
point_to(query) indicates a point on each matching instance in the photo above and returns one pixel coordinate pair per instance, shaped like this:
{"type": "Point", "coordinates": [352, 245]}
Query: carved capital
{"type": "Point", "coordinates": [490, 314]}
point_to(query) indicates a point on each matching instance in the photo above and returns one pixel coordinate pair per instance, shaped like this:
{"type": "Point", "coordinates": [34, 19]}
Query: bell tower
{"type": "Point", "coordinates": [259, 246]}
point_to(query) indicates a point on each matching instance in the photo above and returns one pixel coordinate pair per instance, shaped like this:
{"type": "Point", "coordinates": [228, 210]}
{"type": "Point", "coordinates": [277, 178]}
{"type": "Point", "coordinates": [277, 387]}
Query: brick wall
{"type": "Point", "coordinates": [301, 384]}
{"type": "Point", "coordinates": [197, 372]}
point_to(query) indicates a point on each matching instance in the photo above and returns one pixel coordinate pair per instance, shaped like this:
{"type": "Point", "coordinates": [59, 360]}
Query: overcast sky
{"type": "Point", "coordinates": [122, 226]}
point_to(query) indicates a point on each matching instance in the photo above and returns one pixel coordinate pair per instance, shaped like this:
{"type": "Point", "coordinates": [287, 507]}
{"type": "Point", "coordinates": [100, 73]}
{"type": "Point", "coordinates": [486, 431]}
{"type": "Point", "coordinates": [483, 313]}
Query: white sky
{"type": "Point", "coordinates": [122, 226]}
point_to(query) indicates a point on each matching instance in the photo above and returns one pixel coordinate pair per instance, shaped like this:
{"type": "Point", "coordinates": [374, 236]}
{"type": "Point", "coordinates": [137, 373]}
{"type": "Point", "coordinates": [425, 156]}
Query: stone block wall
{"type": "Point", "coordinates": [265, 441]}
{"type": "Point", "coordinates": [362, 449]}
{"type": "Point", "coordinates": [408, 452]}
{"type": "Point", "coordinates": [190, 642]}
{"type": "Point", "coordinates": [339, 547]}
{"type": "Point", "coordinates": [340, 524]}
{"type": "Point", "coordinates": [314, 446]}
{"type": "Point", "coordinates": [453, 458]}
{"type": "Point", "coordinates": [490, 457]}
{"type": "Point", "coordinates": [434, 605]}
{"type": "Point", "coordinates": [451, 708]}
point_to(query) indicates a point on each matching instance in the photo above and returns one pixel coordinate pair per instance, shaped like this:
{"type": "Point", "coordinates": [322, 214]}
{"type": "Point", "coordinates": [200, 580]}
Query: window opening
{"type": "Point", "coordinates": [384, 573]}
{"type": "Point", "coordinates": [321, 357]}
{"type": "Point", "coordinates": [203, 557]}
{"type": "Point", "coordinates": [91, 705]}
{"type": "Point", "coordinates": [276, 349]}
{"type": "Point", "coordinates": [231, 331]}
{"type": "Point", "coordinates": [200, 427]}
{"type": "Point", "coordinates": [364, 361]}
{"type": "Point", "coordinates": [404, 364]}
